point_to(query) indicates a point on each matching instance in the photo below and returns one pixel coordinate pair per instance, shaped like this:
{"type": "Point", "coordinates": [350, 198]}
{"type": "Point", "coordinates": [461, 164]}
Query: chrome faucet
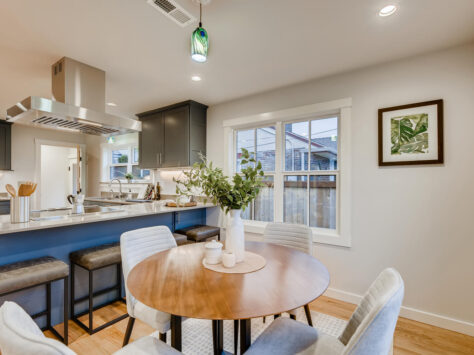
{"type": "Point", "coordinates": [120, 187]}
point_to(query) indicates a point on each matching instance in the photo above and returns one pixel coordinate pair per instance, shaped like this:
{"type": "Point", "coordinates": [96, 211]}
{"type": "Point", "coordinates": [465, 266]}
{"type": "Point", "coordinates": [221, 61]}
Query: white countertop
{"type": "Point", "coordinates": [135, 210]}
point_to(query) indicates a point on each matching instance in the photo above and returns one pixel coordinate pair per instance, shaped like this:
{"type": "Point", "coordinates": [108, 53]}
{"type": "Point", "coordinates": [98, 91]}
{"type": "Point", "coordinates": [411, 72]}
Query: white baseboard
{"type": "Point", "coordinates": [411, 313]}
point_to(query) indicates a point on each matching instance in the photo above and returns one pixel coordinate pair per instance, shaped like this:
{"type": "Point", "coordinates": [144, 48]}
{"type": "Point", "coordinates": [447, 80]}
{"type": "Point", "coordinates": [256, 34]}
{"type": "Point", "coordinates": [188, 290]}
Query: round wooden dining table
{"type": "Point", "coordinates": [176, 282]}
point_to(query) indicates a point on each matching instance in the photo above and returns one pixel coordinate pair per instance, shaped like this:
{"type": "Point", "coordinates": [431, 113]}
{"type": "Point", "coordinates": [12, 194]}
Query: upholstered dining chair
{"type": "Point", "coordinates": [137, 245]}
{"type": "Point", "coordinates": [368, 332]}
{"type": "Point", "coordinates": [296, 236]}
{"type": "Point", "coordinates": [20, 335]}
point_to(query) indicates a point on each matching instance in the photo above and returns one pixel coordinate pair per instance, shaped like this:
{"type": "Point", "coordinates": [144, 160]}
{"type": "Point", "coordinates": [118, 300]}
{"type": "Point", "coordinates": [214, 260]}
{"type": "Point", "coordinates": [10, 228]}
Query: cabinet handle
{"type": "Point", "coordinates": [160, 159]}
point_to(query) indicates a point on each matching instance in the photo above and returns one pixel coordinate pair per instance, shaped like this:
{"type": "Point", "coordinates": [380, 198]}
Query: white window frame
{"type": "Point", "coordinates": [130, 164]}
{"type": "Point", "coordinates": [341, 236]}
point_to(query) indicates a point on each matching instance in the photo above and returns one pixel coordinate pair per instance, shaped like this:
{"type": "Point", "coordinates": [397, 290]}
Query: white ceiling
{"type": "Point", "coordinates": [255, 45]}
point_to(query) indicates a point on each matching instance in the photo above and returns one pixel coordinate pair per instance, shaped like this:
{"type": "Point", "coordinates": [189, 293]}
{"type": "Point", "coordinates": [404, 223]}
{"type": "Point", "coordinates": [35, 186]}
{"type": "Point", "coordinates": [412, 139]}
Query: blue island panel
{"type": "Point", "coordinates": [60, 241]}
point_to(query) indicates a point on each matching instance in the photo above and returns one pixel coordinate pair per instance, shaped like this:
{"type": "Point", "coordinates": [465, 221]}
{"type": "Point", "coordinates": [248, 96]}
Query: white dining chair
{"type": "Point", "coordinates": [20, 335]}
{"type": "Point", "coordinates": [136, 245]}
{"type": "Point", "coordinates": [368, 332]}
{"type": "Point", "coordinates": [296, 236]}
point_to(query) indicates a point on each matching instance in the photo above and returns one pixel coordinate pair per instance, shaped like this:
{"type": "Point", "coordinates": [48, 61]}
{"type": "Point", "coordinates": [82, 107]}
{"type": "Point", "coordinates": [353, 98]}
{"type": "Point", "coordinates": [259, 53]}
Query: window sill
{"type": "Point", "coordinates": [331, 238]}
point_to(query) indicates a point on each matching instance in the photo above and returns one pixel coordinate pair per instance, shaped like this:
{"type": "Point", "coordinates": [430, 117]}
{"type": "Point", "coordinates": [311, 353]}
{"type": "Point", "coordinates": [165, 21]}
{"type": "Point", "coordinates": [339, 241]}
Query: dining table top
{"type": "Point", "coordinates": [176, 282]}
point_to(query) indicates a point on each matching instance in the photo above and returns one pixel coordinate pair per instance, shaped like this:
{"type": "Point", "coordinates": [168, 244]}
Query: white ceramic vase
{"type": "Point", "coordinates": [234, 236]}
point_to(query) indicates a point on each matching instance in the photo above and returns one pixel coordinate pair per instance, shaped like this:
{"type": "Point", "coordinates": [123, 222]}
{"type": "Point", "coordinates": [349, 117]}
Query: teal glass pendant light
{"type": "Point", "coordinates": [199, 41]}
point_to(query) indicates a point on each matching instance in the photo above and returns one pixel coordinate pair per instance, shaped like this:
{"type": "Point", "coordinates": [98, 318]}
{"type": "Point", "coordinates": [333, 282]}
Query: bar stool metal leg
{"type": "Point", "coordinates": [66, 310]}
{"type": "Point", "coordinates": [48, 305]}
{"type": "Point", "coordinates": [73, 293]}
{"type": "Point", "coordinates": [91, 301]}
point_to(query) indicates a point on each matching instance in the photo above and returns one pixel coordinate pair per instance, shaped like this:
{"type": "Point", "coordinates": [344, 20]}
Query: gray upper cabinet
{"type": "Point", "coordinates": [5, 145]}
{"type": "Point", "coordinates": [173, 136]}
{"type": "Point", "coordinates": [151, 141]}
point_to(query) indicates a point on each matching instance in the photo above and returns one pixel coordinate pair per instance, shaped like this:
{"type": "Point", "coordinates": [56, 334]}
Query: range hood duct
{"type": "Point", "coordinates": [78, 103]}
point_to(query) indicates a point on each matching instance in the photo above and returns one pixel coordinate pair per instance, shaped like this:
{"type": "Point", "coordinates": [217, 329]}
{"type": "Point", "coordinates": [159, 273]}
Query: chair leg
{"type": "Point", "coordinates": [292, 316]}
{"type": "Point", "coordinates": [163, 337]}
{"type": "Point", "coordinates": [66, 310]}
{"type": "Point", "coordinates": [91, 301]}
{"type": "Point", "coordinates": [264, 319]}
{"type": "Point", "coordinates": [236, 335]}
{"type": "Point", "coordinates": [276, 316]}
{"type": "Point", "coordinates": [128, 332]}
{"type": "Point", "coordinates": [308, 315]}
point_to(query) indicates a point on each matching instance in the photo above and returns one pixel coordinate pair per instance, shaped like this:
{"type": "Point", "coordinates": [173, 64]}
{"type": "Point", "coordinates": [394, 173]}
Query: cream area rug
{"type": "Point", "coordinates": [197, 333]}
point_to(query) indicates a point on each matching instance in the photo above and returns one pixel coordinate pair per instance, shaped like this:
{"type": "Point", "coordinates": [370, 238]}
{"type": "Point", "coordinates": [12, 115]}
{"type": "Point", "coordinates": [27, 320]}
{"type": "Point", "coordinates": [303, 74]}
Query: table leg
{"type": "Point", "coordinates": [218, 336]}
{"type": "Point", "coordinates": [244, 335]}
{"type": "Point", "coordinates": [176, 332]}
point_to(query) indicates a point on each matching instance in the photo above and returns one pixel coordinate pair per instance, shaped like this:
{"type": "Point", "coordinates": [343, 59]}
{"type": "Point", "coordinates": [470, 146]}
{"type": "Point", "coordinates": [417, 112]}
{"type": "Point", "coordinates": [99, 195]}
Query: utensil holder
{"type": "Point", "coordinates": [20, 209]}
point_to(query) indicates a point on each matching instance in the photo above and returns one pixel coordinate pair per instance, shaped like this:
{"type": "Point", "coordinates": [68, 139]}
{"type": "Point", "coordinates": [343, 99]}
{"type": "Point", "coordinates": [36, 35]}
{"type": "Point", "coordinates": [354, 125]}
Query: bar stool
{"type": "Point", "coordinates": [27, 274]}
{"type": "Point", "coordinates": [93, 259]}
{"type": "Point", "coordinates": [200, 233]}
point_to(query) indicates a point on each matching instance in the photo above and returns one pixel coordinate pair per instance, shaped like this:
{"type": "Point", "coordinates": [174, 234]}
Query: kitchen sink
{"type": "Point", "coordinates": [61, 213]}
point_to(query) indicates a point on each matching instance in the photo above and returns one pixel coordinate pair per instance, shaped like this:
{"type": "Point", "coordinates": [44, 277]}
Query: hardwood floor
{"type": "Point", "coordinates": [411, 337]}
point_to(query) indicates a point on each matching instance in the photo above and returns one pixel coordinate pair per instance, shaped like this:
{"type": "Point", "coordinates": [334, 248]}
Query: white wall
{"type": "Point", "coordinates": [418, 219]}
{"type": "Point", "coordinates": [56, 182]}
{"type": "Point", "coordinates": [24, 154]}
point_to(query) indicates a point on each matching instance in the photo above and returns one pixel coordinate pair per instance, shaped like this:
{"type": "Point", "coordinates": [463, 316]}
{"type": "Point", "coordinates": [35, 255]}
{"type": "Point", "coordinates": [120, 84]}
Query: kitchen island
{"type": "Point", "coordinates": [60, 236]}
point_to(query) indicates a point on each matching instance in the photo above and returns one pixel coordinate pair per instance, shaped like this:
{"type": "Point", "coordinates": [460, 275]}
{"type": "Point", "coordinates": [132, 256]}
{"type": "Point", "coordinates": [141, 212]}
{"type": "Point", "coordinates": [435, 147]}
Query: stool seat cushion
{"type": "Point", "coordinates": [97, 257]}
{"type": "Point", "coordinates": [199, 233]}
{"type": "Point", "coordinates": [181, 239]}
{"type": "Point", "coordinates": [23, 274]}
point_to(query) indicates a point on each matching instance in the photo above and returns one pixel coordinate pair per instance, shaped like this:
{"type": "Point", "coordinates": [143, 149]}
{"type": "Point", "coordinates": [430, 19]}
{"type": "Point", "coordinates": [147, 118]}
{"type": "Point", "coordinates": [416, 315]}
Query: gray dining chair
{"type": "Point", "coordinates": [136, 245]}
{"type": "Point", "coordinates": [296, 236]}
{"type": "Point", "coordinates": [20, 335]}
{"type": "Point", "coordinates": [368, 332]}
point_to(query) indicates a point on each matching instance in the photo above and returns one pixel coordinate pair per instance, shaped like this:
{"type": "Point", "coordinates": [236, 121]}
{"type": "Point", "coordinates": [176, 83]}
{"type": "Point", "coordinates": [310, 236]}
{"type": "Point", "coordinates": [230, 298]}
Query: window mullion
{"type": "Point", "coordinates": [278, 179]}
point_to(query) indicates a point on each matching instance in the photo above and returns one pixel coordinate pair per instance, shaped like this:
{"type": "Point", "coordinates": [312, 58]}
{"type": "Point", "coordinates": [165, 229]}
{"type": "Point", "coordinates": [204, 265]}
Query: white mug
{"type": "Point", "coordinates": [213, 252]}
{"type": "Point", "coordinates": [228, 259]}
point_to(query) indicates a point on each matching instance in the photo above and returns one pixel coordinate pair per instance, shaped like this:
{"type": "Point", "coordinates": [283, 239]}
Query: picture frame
{"type": "Point", "coordinates": [411, 134]}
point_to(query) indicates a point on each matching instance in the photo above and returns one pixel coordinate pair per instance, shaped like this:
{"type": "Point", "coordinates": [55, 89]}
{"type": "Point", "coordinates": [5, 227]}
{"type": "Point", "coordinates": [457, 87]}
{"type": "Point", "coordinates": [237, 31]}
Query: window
{"type": "Point", "coordinates": [303, 188]}
{"type": "Point", "coordinates": [124, 160]}
{"type": "Point", "coordinates": [305, 153]}
{"type": "Point", "coordinates": [259, 141]}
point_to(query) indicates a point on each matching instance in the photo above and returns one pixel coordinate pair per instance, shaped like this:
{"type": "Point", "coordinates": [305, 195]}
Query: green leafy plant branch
{"type": "Point", "coordinates": [229, 193]}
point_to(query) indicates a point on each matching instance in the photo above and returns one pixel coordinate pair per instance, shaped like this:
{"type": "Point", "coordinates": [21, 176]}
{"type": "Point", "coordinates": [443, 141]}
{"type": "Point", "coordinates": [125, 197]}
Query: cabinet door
{"type": "Point", "coordinates": [5, 146]}
{"type": "Point", "coordinates": [176, 147]}
{"type": "Point", "coordinates": [151, 141]}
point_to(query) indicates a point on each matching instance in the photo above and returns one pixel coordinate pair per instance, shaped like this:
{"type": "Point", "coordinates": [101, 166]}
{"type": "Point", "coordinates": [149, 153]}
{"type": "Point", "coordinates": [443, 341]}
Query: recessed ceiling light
{"type": "Point", "coordinates": [111, 104]}
{"type": "Point", "coordinates": [196, 78]}
{"type": "Point", "coordinates": [387, 10]}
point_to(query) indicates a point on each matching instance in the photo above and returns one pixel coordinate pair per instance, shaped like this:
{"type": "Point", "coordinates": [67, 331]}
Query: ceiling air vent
{"type": "Point", "coordinates": [174, 11]}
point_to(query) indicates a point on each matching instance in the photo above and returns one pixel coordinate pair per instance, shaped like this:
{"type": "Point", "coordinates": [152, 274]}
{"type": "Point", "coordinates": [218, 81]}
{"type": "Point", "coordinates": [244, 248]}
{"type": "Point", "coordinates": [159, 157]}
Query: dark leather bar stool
{"type": "Point", "coordinates": [200, 233]}
{"type": "Point", "coordinates": [93, 259]}
{"type": "Point", "coordinates": [27, 274]}
{"type": "Point", "coordinates": [181, 239]}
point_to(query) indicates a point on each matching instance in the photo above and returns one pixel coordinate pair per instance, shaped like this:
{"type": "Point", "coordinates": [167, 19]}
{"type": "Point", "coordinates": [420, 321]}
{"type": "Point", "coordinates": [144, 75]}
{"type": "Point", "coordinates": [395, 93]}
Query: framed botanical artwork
{"type": "Point", "coordinates": [411, 134]}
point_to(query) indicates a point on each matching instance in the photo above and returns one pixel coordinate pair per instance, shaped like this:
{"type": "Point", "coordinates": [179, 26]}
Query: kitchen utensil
{"type": "Point", "coordinates": [228, 259]}
{"type": "Point", "coordinates": [26, 188]}
{"type": "Point", "coordinates": [11, 190]}
{"type": "Point", "coordinates": [213, 252]}
{"type": "Point", "coordinates": [20, 209]}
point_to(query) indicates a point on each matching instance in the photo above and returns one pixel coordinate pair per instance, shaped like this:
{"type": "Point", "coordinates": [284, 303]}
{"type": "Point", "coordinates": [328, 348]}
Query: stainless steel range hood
{"type": "Point", "coordinates": [78, 103]}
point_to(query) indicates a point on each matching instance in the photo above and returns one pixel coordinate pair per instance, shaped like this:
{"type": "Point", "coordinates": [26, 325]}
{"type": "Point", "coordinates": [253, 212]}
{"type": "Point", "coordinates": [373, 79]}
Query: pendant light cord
{"type": "Point", "coordinates": [200, 14]}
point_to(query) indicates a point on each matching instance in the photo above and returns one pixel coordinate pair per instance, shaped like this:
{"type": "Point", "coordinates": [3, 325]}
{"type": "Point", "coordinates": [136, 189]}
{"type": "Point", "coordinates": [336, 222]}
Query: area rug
{"type": "Point", "coordinates": [197, 333]}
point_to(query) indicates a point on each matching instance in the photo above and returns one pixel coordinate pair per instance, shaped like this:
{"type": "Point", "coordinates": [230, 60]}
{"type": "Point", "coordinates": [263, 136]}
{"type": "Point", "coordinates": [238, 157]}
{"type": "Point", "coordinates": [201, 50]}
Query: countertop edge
{"type": "Point", "coordinates": [76, 220]}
